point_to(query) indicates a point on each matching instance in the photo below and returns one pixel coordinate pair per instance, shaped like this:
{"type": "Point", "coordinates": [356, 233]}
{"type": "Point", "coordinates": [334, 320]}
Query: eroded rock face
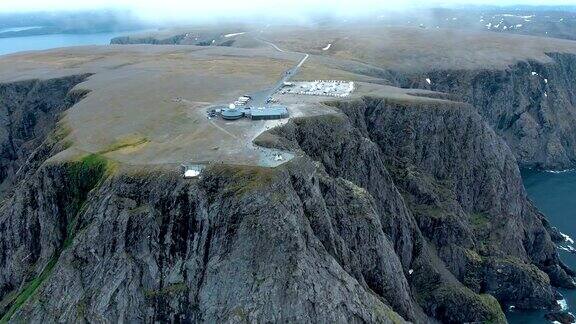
{"type": "Point", "coordinates": [473, 184]}
{"type": "Point", "coordinates": [241, 244]}
{"type": "Point", "coordinates": [29, 111]}
{"type": "Point", "coordinates": [392, 211]}
{"type": "Point", "coordinates": [461, 187]}
{"type": "Point", "coordinates": [532, 105]}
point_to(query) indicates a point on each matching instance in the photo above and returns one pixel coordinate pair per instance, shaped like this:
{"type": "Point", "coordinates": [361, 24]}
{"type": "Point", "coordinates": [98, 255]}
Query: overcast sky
{"type": "Point", "coordinates": [163, 9]}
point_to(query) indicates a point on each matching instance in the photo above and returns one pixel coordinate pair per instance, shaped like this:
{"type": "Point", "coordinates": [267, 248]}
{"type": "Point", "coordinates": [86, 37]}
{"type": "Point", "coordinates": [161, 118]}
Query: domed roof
{"type": "Point", "coordinates": [232, 114]}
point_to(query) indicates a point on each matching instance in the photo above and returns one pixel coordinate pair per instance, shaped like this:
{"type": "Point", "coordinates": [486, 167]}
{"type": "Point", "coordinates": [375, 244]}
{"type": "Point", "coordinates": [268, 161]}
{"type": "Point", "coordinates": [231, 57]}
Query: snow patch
{"type": "Point", "coordinates": [568, 248]}
{"type": "Point", "coordinates": [327, 47]}
{"type": "Point", "coordinates": [428, 81]}
{"type": "Point", "coordinates": [411, 271]}
{"type": "Point", "coordinates": [563, 304]}
{"type": "Point", "coordinates": [559, 171]}
{"type": "Point", "coordinates": [511, 15]}
{"type": "Point", "coordinates": [534, 73]}
{"type": "Point", "coordinates": [191, 173]}
{"type": "Point", "coordinates": [567, 238]}
{"type": "Point", "coordinates": [546, 81]}
{"type": "Point", "coordinates": [234, 34]}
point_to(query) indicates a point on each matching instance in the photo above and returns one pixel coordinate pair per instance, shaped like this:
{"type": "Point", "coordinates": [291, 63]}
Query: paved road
{"type": "Point", "coordinates": [271, 44]}
{"type": "Point", "coordinates": [261, 97]}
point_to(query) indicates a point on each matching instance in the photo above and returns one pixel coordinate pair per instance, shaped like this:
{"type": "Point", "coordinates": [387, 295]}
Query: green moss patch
{"type": "Point", "coordinates": [30, 289]}
{"type": "Point", "coordinates": [331, 119]}
{"type": "Point", "coordinates": [61, 134]}
{"type": "Point", "coordinates": [457, 304]}
{"type": "Point", "coordinates": [494, 307]}
{"type": "Point", "coordinates": [429, 211]}
{"type": "Point", "coordinates": [386, 312]}
{"type": "Point", "coordinates": [173, 289]}
{"type": "Point", "coordinates": [125, 143]}
{"type": "Point", "coordinates": [84, 174]}
{"type": "Point", "coordinates": [269, 139]}
{"type": "Point", "coordinates": [479, 220]}
{"type": "Point", "coordinates": [243, 179]}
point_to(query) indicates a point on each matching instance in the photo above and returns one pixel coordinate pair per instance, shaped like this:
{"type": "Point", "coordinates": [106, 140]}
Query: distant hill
{"type": "Point", "coordinates": [68, 23]}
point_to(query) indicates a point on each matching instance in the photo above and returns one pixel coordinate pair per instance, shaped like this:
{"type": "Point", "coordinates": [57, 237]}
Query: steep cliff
{"type": "Point", "coordinates": [455, 172]}
{"type": "Point", "coordinates": [531, 104]}
{"type": "Point", "coordinates": [240, 244]}
{"type": "Point", "coordinates": [198, 38]}
{"type": "Point", "coordinates": [391, 211]}
{"type": "Point", "coordinates": [124, 40]}
{"type": "Point", "coordinates": [462, 189]}
{"type": "Point", "coordinates": [29, 111]}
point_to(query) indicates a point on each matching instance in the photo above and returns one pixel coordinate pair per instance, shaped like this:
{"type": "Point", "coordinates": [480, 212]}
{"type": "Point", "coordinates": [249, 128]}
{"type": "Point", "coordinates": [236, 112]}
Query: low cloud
{"type": "Point", "coordinates": [176, 10]}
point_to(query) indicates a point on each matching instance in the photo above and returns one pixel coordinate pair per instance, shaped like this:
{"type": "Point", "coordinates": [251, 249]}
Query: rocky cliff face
{"type": "Point", "coordinates": [462, 189]}
{"type": "Point", "coordinates": [531, 104]}
{"type": "Point", "coordinates": [29, 111]}
{"type": "Point", "coordinates": [241, 244]}
{"type": "Point", "coordinates": [392, 211]}
{"type": "Point", "coordinates": [124, 40]}
{"type": "Point", "coordinates": [475, 176]}
{"type": "Point", "coordinates": [205, 38]}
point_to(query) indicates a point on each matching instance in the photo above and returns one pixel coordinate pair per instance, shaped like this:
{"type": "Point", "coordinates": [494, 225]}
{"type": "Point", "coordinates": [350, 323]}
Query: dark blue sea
{"type": "Point", "coordinates": [42, 42]}
{"type": "Point", "coordinates": [555, 195]}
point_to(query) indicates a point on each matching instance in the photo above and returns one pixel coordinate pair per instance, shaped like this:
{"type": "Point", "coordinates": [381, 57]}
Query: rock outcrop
{"type": "Point", "coordinates": [392, 211]}
{"type": "Point", "coordinates": [30, 110]}
{"type": "Point", "coordinates": [196, 38]}
{"type": "Point", "coordinates": [461, 186]}
{"type": "Point", "coordinates": [240, 244]}
{"type": "Point", "coordinates": [531, 104]}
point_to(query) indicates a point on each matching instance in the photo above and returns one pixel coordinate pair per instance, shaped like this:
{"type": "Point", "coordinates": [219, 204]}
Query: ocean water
{"type": "Point", "coordinates": [42, 42]}
{"type": "Point", "coordinates": [555, 195]}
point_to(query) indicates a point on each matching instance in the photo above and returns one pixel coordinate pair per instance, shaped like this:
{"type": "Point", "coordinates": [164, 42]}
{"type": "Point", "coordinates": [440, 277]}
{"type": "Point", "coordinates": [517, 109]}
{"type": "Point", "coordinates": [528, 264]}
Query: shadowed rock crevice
{"type": "Point", "coordinates": [29, 111]}
{"type": "Point", "coordinates": [39, 222]}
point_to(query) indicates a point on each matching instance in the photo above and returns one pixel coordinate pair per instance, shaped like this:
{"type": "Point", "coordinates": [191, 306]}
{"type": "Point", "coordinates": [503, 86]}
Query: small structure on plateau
{"type": "Point", "coordinates": [232, 112]}
{"type": "Point", "coordinates": [268, 112]}
{"type": "Point", "coordinates": [330, 88]}
{"type": "Point", "coordinates": [191, 170]}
